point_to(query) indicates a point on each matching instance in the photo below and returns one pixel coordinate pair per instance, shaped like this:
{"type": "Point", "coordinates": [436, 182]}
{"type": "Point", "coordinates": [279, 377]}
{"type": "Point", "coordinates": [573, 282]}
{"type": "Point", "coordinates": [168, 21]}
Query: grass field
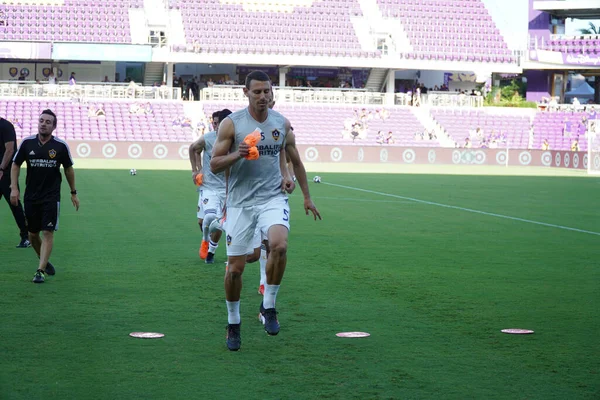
{"type": "Point", "coordinates": [433, 285]}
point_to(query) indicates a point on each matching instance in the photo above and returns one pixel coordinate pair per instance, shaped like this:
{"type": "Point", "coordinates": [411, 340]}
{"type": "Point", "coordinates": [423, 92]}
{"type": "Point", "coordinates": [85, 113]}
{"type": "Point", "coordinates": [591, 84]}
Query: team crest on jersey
{"type": "Point", "coordinates": [228, 240]}
{"type": "Point", "coordinates": [276, 134]}
{"type": "Point", "coordinates": [205, 201]}
{"type": "Point", "coordinates": [52, 153]}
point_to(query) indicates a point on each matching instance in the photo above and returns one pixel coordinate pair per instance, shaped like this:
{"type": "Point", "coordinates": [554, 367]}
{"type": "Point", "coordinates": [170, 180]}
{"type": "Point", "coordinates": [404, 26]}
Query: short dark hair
{"type": "Point", "coordinates": [256, 76]}
{"type": "Point", "coordinates": [49, 112]}
{"type": "Point", "coordinates": [224, 114]}
{"type": "Point", "coordinates": [216, 114]}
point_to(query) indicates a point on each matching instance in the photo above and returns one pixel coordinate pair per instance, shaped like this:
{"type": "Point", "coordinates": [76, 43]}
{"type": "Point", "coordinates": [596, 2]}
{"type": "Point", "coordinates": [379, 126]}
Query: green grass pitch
{"type": "Point", "coordinates": [432, 285]}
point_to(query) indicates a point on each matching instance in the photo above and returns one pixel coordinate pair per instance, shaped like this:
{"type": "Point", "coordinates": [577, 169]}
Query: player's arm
{"type": "Point", "coordinates": [9, 137]}
{"type": "Point", "coordinates": [290, 166]}
{"type": "Point", "coordinates": [9, 152]}
{"type": "Point", "coordinates": [195, 153]}
{"type": "Point", "coordinates": [287, 183]}
{"type": "Point", "coordinates": [299, 171]}
{"type": "Point", "coordinates": [15, 171]}
{"type": "Point", "coordinates": [70, 175]}
{"type": "Point", "coordinates": [221, 157]}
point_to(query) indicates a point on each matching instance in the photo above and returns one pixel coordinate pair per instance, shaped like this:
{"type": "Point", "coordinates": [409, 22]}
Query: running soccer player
{"type": "Point", "coordinates": [212, 190]}
{"type": "Point", "coordinates": [255, 197]}
{"type": "Point", "coordinates": [44, 154]}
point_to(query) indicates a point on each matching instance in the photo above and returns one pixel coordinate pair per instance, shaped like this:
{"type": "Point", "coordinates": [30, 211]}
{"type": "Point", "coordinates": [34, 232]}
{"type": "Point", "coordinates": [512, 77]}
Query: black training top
{"type": "Point", "coordinates": [43, 167]}
{"type": "Point", "coordinates": [7, 134]}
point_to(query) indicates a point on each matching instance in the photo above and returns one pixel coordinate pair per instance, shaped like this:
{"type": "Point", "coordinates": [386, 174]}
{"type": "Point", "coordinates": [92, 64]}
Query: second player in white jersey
{"type": "Point", "coordinates": [211, 199]}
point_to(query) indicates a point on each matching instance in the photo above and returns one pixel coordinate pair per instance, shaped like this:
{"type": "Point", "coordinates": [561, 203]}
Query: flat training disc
{"type": "Point", "coordinates": [353, 334]}
{"type": "Point", "coordinates": [517, 331]}
{"type": "Point", "coordinates": [147, 335]}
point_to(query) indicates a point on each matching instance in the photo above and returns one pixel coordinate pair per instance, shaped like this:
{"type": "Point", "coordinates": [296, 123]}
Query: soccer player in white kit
{"type": "Point", "coordinates": [255, 198]}
{"type": "Point", "coordinates": [211, 197]}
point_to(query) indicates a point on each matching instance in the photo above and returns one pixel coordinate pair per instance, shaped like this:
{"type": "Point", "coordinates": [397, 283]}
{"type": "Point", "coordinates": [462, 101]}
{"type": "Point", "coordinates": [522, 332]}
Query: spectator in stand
{"type": "Point", "coordinates": [105, 79]}
{"type": "Point", "coordinates": [545, 145]}
{"type": "Point", "coordinates": [380, 139]}
{"type": "Point", "coordinates": [575, 145]}
{"type": "Point", "coordinates": [72, 80]}
{"type": "Point", "coordinates": [390, 138]}
{"type": "Point", "coordinates": [468, 143]}
{"type": "Point", "coordinates": [52, 79]}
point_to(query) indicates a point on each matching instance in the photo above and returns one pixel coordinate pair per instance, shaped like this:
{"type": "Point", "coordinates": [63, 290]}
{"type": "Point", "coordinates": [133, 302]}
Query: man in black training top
{"type": "Point", "coordinates": [8, 147]}
{"type": "Point", "coordinates": [44, 155]}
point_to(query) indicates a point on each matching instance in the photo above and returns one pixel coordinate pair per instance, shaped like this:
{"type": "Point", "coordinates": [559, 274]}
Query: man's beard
{"type": "Point", "coordinates": [45, 134]}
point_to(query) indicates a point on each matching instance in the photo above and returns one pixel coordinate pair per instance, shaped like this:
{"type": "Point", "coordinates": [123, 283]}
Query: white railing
{"type": "Point", "coordinates": [343, 96]}
{"type": "Point", "coordinates": [298, 95]}
{"type": "Point", "coordinates": [89, 90]}
{"type": "Point", "coordinates": [439, 99]}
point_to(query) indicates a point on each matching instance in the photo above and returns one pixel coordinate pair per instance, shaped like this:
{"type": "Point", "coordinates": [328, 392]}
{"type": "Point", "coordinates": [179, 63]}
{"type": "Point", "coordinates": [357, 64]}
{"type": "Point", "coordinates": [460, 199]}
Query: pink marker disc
{"type": "Point", "coordinates": [517, 331]}
{"type": "Point", "coordinates": [146, 335]}
{"type": "Point", "coordinates": [353, 334]}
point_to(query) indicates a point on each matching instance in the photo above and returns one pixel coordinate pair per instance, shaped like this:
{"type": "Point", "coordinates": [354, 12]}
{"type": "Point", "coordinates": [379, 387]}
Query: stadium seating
{"type": "Point", "coordinates": [313, 124]}
{"type": "Point", "coordinates": [560, 128]}
{"type": "Point", "coordinates": [323, 125]}
{"type": "Point", "coordinates": [324, 28]}
{"type": "Point", "coordinates": [461, 124]}
{"type": "Point", "coordinates": [119, 124]}
{"type": "Point", "coordinates": [574, 45]}
{"type": "Point", "coordinates": [75, 21]}
{"type": "Point", "coordinates": [449, 30]}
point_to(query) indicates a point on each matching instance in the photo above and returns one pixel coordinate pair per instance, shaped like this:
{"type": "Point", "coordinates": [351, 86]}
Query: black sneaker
{"type": "Point", "coordinates": [39, 276]}
{"type": "Point", "coordinates": [234, 339]}
{"type": "Point", "coordinates": [50, 269]}
{"type": "Point", "coordinates": [269, 319]}
{"type": "Point", "coordinates": [24, 244]}
{"type": "Point", "coordinates": [210, 258]}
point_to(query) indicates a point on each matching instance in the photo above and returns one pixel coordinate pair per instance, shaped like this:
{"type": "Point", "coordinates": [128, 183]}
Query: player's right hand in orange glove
{"type": "Point", "coordinates": [252, 140]}
{"type": "Point", "coordinates": [252, 153]}
{"type": "Point", "coordinates": [199, 178]}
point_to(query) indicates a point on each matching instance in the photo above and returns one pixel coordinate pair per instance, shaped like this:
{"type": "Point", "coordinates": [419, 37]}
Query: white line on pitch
{"type": "Point", "coordinates": [399, 201]}
{"type": "Point", "coordinates": [431, 203]}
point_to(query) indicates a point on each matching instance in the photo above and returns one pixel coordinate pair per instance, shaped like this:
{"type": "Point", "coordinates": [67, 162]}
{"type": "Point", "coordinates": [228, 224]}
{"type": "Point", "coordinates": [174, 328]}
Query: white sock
{"type": "Point", "coordinates": [233, 312]}
{"type": "Point", "coordinates": [212, 247]}
{"type": "Point", "coordinates": [263, 266]}
{"type": "Point", "coordinates": [270, 295]}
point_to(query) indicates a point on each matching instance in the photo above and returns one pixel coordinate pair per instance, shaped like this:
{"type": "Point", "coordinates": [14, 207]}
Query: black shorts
{"type": "Point", "coordinates": [42, 217]}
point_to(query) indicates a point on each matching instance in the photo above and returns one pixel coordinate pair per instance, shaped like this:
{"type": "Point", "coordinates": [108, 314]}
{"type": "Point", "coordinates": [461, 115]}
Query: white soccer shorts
{"type": "Point", "coordinates": [209, 202]}
{"type": "Point", "coordinates": [242, 224]}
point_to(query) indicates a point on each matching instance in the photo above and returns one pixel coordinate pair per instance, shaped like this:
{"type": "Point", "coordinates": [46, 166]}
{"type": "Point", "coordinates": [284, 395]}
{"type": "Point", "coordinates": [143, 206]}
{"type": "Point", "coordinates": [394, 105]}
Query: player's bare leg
{"type": "Point", "coordinates": [276, 262]}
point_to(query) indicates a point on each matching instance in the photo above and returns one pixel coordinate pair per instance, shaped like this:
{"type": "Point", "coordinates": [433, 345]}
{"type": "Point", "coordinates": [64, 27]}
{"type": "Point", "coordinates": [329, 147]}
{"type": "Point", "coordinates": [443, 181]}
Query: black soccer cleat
{"type": "Point", "coordinates": [210, 258]}
{"type": "Point", "coordinates": [268, 317]}
{"type": "Point", "coordinates": [234, 338]}
{"type": "Point", "coordinates": [24, 244]}
{"type": "Point", "coordinates": [50, 269]}
{"type": "Point", "coordinates": [39, 276]}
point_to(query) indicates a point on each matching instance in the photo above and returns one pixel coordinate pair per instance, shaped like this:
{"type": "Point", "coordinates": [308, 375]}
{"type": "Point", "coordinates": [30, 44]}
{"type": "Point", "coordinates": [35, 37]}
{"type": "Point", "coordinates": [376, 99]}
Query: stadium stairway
{"type": "Point", "coordinates": [153, 73]}
{"type": "Point", "coordinates": [376, 80]}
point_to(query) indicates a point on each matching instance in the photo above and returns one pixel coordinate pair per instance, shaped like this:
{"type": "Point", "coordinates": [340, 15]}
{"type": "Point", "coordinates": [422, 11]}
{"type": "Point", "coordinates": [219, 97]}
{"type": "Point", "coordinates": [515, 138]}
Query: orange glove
{"type": "Point", "coordinates": [199, 179]}
{"type": "Point", "coordinates": [253, 138]}
{"type": "Point", "coordinates": [252, 153]}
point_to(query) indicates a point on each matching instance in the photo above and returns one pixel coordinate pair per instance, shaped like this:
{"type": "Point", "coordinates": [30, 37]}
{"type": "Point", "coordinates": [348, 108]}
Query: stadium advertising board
{"type": "Point", "coordinates": [101, 52]}
{"type": "Point", "coordinates": [25, 51]}
{"type": "Point", "coordinates": [349, 154]}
